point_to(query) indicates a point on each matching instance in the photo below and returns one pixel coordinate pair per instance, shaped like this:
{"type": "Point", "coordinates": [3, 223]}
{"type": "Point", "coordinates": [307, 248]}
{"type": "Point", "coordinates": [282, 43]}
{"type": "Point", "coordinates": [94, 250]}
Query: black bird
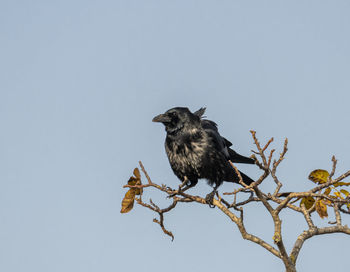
{"type": "Point", "coordinates": [196, 150]}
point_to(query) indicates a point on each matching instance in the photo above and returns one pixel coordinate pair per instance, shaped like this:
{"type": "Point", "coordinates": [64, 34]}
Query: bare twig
{"type": "Point", "coordinates": [307, 217]}
{"type": "Point", "coordinates": [337, 214]}
{"type": "Point", "coordinates": [276, 164]}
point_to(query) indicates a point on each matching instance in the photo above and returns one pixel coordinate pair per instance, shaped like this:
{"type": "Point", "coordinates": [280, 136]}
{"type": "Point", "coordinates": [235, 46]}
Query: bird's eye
{"type": "Point", "coordinates": [174, 117]}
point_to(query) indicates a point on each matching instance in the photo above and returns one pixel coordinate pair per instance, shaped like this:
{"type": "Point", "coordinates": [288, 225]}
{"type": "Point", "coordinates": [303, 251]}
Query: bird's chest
{"type": "Point", "coordinates": [185, 157]}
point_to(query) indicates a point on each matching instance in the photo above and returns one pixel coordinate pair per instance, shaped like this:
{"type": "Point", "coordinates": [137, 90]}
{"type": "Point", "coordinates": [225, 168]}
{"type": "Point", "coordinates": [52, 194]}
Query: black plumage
{"type": "Point", "coordinates": [196, 150]}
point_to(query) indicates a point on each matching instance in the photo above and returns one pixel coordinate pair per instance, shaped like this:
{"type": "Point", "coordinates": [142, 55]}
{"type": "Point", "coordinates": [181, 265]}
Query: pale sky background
{"type": "Point", "coordinates": [80, 82]}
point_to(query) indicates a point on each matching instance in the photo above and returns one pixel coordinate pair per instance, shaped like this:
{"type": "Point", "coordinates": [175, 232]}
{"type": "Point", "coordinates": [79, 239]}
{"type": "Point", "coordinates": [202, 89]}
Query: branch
{"type": "Point", "coordinates": [239, 222]}
{"type": "Point", "coordinates": [312, 232]}
{"type": "Point", "coordinates": [276, 164]}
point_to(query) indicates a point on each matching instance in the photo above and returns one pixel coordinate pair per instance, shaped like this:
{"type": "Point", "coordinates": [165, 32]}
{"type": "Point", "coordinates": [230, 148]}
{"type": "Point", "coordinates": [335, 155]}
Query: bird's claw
{"type": "Point", "coordinates": [172, 195]}
{"type": "Point", "coordinates": [188, 183]}
{"type": "Point", "coordinates": [175, 193]}
{"type": "Point", "coordinates": [209, 199]}
{"type": "Point", "coordinates": [181, 189]}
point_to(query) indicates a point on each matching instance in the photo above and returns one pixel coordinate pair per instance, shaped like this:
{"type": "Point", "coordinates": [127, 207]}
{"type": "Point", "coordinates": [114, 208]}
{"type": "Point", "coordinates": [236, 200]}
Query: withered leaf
{"type": "Point", "coordinates": [345, 192]}
{"type": "Point", "coordinates": [319, 176]}
{"type": "Point", "coordinates": [308, 202]}
{"type": "Point", "coordinates": [341, 184]}
{"type": "Point", "coordinates": [132, 180]}
{"type": "Point", "coordinates": [129, 198]}
{"type": "Point", "coordinates": [128, 201]}
{"type": "Point", "coordinates": [338, 195]}
{"type": "Point", "coordinates": [327, 191]}
{"type": "Point", "coordinates": [137, 173]}
{"type": "Point", "coordinates": [321, 209]}
{"type": "Point", "coordinates": [136, 181]}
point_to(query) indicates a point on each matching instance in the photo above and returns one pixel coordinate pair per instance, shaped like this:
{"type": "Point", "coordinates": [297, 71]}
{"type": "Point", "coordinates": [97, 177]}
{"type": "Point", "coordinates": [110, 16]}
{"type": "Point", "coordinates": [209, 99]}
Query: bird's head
{"type": "Point", "coordinates": [179, 119]}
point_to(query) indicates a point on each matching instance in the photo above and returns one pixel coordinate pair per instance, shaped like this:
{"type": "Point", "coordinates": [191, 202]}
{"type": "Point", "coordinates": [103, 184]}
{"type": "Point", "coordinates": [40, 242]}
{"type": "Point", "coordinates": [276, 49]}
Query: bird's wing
{"type": "Point", "coordinates": [223, 145]}
{"type": "Point", "coordinates": [211, 129]}
{"type": "Point", "coordinates": [235, 157]}
{"type": "Point", "coordinates": [227, 142]}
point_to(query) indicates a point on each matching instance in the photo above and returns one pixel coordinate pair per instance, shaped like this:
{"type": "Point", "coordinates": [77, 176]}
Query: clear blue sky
{"type": "Point", "coordinates": [80, 82]}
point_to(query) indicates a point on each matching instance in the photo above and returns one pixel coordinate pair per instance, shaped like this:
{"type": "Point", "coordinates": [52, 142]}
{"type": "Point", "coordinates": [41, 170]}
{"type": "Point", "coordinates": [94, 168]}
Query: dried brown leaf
{"type": "Point", "coordinates": [341, 183]}
{"type": "Point", "coordinates": [345, 192]}
{"type": "Point", "coordinates": [137, 173]}
{"type": "Point", "coordinates": [319, 176]}
{"type": "Point", "coordinates": [128, 201]}
{"type": "Point", "coordinates": [136, 180]}
{"type": "Point", "coordinates": [321, 209]}
{"type": "Point", "coordinates": [308, 202]}
{"type": "Point", "coordinates": [327, 191]}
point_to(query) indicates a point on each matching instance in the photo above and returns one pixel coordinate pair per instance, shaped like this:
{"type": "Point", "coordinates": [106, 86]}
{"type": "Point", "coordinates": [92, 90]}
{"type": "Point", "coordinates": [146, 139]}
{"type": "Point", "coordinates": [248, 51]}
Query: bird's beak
{"type": "Point", "coordinates": [161, 118]}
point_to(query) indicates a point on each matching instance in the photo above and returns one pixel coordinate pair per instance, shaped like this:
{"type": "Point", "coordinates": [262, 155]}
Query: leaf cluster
{"type": "Point", "coordinates": [333, 193]}
{"type": "Point", "coordinates": [129, 198]}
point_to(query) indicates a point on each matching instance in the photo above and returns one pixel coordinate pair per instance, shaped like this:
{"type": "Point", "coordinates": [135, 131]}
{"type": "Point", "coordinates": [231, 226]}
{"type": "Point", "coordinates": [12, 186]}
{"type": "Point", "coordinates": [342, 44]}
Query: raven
{"type": "Point", "coordinates": [196, 150]}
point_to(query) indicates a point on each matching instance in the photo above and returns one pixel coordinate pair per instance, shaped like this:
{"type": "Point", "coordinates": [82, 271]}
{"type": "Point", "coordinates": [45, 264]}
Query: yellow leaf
{"type": "Point", "coordinates": [319, 176]}
{"type": "Point", "coordinates": [321, 209]}
{"type": "Point", "coordinates": [345, 192]}
{"type": "Point", "coordinates": [337, 194]}
{"type": "Point", "coordinates": [308, 202]}
{"type": "Point", "coordinates": [138, 191]}
{"type": "Point", "coordinates": [132, 181]}
{"type": "Point", "coordinates": [129, 198]}
{"type": "Point", "coordinates": [341, 184]}
{"type": "Point", "coordinates": [327, 191]}
{"type": "Point", "coordinates": [128, 201]}
{"type": "Point", "coordinates": [136, 181]}
{"type": "Point", "coordinates": [137, 173]}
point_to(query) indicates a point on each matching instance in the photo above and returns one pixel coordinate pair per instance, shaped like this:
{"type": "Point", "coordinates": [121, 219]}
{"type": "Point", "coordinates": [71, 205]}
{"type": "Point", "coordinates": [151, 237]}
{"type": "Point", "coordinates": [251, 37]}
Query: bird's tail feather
{"type": "Point", "coordinates": [237, 158]}
{"type": "Point", "coordinates": [247, 180]}
{"type": "Point", "coordinates": [233, 177]}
